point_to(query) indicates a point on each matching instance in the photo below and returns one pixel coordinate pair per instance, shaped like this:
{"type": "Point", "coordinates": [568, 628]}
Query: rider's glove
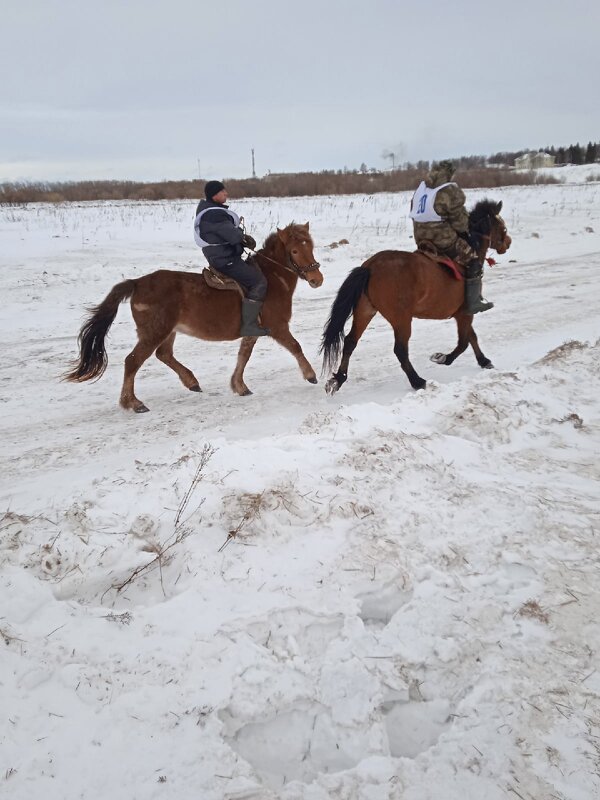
{"type": "Point", "coordinates": [248, 241]}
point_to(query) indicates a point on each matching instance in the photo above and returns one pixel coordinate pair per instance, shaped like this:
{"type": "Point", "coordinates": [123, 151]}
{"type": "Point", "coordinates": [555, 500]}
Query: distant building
{"type": "Point", "coordinates": [534, 161]}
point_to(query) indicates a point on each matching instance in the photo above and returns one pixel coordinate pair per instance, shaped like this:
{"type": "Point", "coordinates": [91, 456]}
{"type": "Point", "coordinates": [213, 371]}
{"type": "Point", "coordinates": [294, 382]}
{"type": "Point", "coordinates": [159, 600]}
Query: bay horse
{"type": "Point", "coordinates": [400, 286]}
{"type": "Point", "coordinates": [168, 302]}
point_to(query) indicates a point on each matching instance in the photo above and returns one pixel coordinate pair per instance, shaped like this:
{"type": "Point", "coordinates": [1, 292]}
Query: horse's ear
{"type": "Point", "coordinates": [305, 225]}
{"type": "Point", "coordinates": [281, 235]}
{"type": "Point", "coordinates": [499, 207]}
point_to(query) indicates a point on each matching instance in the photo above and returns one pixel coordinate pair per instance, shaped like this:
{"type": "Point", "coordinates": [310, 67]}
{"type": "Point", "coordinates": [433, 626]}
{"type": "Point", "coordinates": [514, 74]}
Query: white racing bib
{"type": "Point", "coordinates": [422, 203]}
{"type": "Point", "coordinates": [198, 239]}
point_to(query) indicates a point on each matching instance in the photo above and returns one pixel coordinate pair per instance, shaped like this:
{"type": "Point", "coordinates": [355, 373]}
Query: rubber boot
{"type": "Point", "coordinates": [474, 302]}
{"type": "Point", "coordinates": [250, 311]}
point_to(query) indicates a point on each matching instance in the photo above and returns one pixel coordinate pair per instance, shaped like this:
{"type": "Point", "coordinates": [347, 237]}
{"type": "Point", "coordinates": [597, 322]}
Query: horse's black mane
{"type": "Point", "coordinates": [481, 213]}
{"type": "Point", "coordinates": [480, 219]}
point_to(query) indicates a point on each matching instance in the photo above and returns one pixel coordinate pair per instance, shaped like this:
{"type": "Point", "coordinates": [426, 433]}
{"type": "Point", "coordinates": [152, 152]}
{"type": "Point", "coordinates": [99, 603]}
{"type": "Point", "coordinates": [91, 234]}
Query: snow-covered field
{"type": "Point", "coordinates": [384, 594]}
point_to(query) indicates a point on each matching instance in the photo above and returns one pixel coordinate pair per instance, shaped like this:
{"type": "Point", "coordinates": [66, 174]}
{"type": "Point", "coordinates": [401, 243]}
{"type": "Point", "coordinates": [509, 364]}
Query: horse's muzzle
{"type": "Point", "coordinates": [506, 243]}
{"type": "Point", "coordinates": [311, 273]}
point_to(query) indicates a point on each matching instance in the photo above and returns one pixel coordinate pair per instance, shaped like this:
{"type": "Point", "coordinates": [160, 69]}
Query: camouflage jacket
{"type": "Point", "coordinates": [450, 205]}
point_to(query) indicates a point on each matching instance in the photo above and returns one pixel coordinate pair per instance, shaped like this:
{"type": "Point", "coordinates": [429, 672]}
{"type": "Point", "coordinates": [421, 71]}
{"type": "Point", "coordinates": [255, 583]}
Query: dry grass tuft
{"type": "Point", "coordinates": [163, 550]}
{"type": "Point", "coordinates": [533, 610]}
{"type": "Point", "coordinates": [562, 351]}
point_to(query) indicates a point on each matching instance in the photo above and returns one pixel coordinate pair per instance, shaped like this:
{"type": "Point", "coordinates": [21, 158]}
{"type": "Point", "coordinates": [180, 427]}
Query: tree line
{"type": "Point", "coordinates": [471, 174]}
{"type": "Point", "coordinates": [474, 171]}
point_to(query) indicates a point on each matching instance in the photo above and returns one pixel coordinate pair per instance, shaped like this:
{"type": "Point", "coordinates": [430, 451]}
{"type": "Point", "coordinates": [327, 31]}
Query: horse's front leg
{"type": "Point", "coordinates": [482, 360]}
{"type": "Point", "coordinates": [285, 339]}
{"type": "Point", "coordinates": [244, 353]}
{"type": "Point", "coordinates": [464, 325]}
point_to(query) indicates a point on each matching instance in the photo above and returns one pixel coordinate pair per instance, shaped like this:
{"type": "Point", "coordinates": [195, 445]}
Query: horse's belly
{"type": "Point", "coordinates": [214, 316]}
{"type": "Point", "coordinates": [210, 326]}
{"type": "Point", "coordinates": [440, 302]}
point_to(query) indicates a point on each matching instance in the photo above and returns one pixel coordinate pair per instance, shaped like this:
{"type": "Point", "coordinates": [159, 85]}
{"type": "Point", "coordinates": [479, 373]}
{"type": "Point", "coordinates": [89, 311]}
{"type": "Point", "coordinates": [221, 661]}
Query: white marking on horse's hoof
{"type": "Point", "coordinates": [489, 366]}
{"type": "Point", "coordinates": [141, 409]}
{"type": "Point", "coordinates": [438, 358]}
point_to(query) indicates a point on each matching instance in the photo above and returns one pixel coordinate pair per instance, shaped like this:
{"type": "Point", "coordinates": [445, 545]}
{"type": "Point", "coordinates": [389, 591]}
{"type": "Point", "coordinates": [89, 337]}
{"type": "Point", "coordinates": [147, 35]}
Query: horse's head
{"type": "Point", "coordinates": [485, 222]}
{"type": "Point", "coordinates": [299, 257]}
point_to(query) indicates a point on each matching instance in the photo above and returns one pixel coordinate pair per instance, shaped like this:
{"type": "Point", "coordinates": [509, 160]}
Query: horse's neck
{"type": "Point", "coordinates": [274, 261]}
{"type": "Point", "coordinates": [483, 247]}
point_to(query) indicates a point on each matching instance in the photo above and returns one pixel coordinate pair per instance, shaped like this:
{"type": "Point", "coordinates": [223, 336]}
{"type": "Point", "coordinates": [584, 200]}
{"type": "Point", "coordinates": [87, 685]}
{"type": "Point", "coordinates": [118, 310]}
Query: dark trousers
{"type": "Point", "coordinates": [246, 273]}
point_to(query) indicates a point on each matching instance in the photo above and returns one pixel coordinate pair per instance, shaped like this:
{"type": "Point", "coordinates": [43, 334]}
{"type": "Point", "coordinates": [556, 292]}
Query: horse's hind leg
{"type": "Point", "coordinates": [237, 379]}
{"type": "Point", "coordinates": [164, 353]}
{"type": "Point", "coordinates": [362, 316]}
{"type": "Point", "coordinates": [140, 353]}
{"type": "Point", "coordinates": [402, 331]}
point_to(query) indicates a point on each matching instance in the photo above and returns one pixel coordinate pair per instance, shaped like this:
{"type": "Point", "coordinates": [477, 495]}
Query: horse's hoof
{"type": "Point", "coordinates": [194, 388]}
{"type": "Point", "coordinates": [141, 409]}
{"type": "Point", "coordinates": [489, 365]}
{"type": "Point", "coordinates": [246, 393]}
{"type": "Point", "coordinates": [312, 380]}
{"type": "Point", "coordinates": [421, 385]}
{"type": "Point", "coordinates": [438, 358]}
{"type": "Point", "coordinates": [332, 386]}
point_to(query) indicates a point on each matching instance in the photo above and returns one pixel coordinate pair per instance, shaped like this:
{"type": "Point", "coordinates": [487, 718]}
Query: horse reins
{"type": "Point", "coordinates": [301, 271]}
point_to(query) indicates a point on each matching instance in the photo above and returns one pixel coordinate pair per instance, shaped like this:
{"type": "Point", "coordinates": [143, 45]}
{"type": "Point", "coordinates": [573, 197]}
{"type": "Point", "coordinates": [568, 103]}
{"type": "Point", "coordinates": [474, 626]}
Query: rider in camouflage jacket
{"type": "Point", "coordinates": [450, 205]}
{"type": "Point", "coordinates": [450, 235]}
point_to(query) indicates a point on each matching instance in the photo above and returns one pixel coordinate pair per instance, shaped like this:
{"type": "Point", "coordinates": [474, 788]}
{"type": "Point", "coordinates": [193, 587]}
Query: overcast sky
{"type": "Point", "coordinates": [145, 89]}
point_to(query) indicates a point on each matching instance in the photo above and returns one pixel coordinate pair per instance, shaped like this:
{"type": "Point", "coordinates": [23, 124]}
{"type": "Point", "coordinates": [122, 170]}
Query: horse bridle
{"type": "Point", "coordinates": [291, 266]}
{"type": "Point", "coordinates": [488, 235]}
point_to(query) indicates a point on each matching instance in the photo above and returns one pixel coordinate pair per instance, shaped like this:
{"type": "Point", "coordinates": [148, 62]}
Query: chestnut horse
{"type": "Point", "coordinates": [402, 286]}
{"type": "Point", "coordinates": [167, 302]}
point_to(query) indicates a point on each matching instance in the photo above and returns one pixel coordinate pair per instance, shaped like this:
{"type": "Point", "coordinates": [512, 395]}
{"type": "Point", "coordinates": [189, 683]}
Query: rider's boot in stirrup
{"type": "Point", "coordinates": [250, 311]}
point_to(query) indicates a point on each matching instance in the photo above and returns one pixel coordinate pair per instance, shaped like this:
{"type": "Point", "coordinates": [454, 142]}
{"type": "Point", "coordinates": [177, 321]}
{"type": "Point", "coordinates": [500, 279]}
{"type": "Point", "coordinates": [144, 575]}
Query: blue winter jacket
{"type": "Point", "coordinates": [219, 228]}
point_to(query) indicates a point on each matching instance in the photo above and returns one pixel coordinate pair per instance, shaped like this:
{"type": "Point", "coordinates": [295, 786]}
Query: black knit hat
{"type": "Point", "coordinates": [212, 188]}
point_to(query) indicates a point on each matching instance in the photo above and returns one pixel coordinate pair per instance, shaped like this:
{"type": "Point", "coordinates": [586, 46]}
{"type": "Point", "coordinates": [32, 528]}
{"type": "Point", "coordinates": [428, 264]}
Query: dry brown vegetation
{"type": "Point", "coordinates": [533, 610]}
{"type": "Point", "coordinates": [284, 185]}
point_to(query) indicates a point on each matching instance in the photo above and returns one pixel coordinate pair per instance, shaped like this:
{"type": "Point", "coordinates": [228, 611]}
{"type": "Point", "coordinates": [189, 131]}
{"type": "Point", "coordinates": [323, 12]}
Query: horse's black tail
{"type": "Point", "coordinates": [92, 359]}
{"type": "Point", "coordinates": [344, 304]}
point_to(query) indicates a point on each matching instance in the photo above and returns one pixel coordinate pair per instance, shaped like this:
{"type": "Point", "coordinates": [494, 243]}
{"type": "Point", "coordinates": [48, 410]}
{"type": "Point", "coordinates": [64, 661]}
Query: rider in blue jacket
{"type": "Point", "coordinates": [217, 231]}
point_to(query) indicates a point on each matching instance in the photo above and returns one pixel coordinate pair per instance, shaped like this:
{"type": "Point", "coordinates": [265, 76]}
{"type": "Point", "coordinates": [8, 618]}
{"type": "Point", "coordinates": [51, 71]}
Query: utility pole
{"type": "Point", "coordinates": [199, 171]}
{"type": "Point", "coordinates": [253, 170]}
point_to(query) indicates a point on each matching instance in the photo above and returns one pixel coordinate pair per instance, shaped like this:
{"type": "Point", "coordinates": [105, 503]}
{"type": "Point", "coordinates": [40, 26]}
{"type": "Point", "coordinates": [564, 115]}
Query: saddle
{"type": "Point", "coordinates": [429, 249]}
{"type": "Point", "coordinates": [216, 280]}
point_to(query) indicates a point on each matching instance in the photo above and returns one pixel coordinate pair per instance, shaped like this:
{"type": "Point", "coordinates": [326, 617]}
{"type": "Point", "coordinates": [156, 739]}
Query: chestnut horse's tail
{"type": "Point", "coordinates": [344, 304]}
{"type": "Point", "coordinates": [92, 356]}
